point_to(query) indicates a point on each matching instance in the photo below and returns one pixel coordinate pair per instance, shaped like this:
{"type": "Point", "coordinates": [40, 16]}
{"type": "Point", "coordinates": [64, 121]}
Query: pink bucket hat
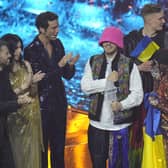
{"type": "Point", "coordinates": [113, 35]}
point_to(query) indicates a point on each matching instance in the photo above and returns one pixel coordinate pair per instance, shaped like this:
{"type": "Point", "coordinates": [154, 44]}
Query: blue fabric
{"type": "Point", "coordinates": [140, 47]}
{"type": "Point", "coordinates": [152, 119]}
{"type": "Point", "coordinates": [124, 147]}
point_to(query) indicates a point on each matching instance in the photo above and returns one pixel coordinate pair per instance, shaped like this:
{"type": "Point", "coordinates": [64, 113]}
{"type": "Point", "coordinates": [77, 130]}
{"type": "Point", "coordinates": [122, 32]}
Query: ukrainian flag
{"type": "Point", "coordinates": [144, 49]}
{"type": "Point", "coordinates": [153, 151]}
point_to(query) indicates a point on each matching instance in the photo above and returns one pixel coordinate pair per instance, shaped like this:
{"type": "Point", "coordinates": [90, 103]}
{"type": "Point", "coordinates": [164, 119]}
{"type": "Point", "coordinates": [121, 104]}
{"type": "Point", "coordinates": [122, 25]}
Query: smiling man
{"type": "Point", "coordinates": [8, 103]}
{"type": "Point", "coordinates": [46, 53]}
{"type": "Point", "coordinates": [154, 30]}
{"type": "Point", "coordinates": [113, 89]}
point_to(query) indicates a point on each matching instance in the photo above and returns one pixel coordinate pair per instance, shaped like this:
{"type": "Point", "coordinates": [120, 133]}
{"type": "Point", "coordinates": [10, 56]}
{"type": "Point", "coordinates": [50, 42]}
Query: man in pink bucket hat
{"type": "Point", "coordinates": [113, 35]}
{"type": "Point", "coordinates": [113, 90]}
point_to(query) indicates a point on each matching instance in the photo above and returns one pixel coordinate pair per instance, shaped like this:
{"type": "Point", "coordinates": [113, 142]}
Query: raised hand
{"type": "Point", "coordinates": [73, 60]}
{"type": "Point", "coordinates": [64, 60]}
{"type": "Point", "coordinates": [146, 66]}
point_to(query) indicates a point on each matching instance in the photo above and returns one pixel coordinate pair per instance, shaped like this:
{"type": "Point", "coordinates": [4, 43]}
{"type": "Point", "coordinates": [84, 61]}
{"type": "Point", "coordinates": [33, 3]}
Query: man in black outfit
{"type": "Point", "coordinates": [46, 53]}
{"type": "Point", "coordinates": [8, 103]}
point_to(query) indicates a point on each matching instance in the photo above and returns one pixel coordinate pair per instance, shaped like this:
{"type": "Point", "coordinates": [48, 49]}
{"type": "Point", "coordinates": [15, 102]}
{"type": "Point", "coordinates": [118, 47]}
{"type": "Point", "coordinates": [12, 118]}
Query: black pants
{"type": "Point", "coordinates": [6, 158]}
{"type": "Point", "coordinates": [54, 126]}
{"type": "Point", "coordinates": [98, 142]}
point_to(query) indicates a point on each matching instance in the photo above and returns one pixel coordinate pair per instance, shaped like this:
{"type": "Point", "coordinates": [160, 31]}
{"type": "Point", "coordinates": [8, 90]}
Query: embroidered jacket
{"type": "Point", "coordinates": [98, 66]}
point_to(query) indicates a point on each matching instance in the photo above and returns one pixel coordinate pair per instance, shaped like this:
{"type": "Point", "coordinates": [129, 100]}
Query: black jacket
{"type": "Point", "coordinates": [51, 88]}
{"type": "Point", "coordinates": [130, 42]}
{"type": "Point", "coordinates": [8, 102]}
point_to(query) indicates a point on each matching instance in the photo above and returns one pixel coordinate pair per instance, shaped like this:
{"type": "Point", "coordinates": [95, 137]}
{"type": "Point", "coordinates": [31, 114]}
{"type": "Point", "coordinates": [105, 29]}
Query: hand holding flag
{"type": "Point", "coordinates": [144, 49]}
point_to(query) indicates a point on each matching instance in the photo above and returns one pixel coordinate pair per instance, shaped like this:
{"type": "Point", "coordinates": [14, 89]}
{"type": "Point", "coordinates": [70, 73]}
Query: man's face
{"type": "Point", "coordinates": [155, 20]}
{"type": "Point", "coordinates": [52, 30]}
{"type": "Point", "coordinates": [4, 56]}
{"type": "Point", "coordinates": [109, 48]}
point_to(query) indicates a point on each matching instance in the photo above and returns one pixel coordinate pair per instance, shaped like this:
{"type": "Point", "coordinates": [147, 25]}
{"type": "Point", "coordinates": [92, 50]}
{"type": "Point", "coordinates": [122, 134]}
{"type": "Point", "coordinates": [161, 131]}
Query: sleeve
{"type": "Point", "coordinates": [8, 107]}
{"type": "Point", "coordinates": [128, 44]}
{"type": "Point", "coordinates": [136, 90]}
{"type": "Point", "coordinates": [31, 56]}
{"type": "Point", "coordinates": [161, 56]}
{"type": "Point", "coordinates": [130, 41]}
{"type": "Point", "coordinates": [68, 71]}
{"type": "Point", "coordinates": [8, 99]}
{"type": "Point", "coordinates": [90, 86]}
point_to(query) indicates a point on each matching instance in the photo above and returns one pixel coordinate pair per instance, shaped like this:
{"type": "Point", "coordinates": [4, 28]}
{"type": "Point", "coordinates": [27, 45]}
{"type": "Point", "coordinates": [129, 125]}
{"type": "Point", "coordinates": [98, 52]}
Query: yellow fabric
{"type": "Point", "coordinates": [148, 52]}
{"type": "Point", "coordinates": [153, 152]}
{"type": "Point", "coordinates": [24, 126]}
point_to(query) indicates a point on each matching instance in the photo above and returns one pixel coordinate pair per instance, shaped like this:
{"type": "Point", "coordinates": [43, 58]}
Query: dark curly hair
{"type": "Point", "coordinates": [43, 18]}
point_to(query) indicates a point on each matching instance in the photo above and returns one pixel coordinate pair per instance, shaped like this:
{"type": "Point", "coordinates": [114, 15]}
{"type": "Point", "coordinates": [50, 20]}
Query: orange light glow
{"type": "Point", "coordinates": [76, 149]}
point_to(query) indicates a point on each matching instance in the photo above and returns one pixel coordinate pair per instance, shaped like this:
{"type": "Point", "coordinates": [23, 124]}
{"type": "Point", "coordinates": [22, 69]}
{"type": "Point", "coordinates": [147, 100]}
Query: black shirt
{"type": "Point", "coordinates": [8, 99]}
{"type": "Point", "coordinates": [8, 103]}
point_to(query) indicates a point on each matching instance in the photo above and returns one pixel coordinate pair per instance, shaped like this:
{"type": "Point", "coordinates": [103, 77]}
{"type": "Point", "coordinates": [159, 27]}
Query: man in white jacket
{"type": "Point", "coordinates": [114, 88]}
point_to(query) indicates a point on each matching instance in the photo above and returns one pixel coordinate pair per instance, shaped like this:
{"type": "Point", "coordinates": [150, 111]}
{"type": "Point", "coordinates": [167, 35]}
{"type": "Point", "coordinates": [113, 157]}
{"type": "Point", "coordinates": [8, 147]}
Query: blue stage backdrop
{"type": "Point", "coordinates": [81, 23]}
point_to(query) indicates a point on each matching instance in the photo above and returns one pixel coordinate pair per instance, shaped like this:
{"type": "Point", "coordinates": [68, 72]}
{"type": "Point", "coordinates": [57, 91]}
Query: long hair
{"type": "Point", "coordinates": [12, 41]}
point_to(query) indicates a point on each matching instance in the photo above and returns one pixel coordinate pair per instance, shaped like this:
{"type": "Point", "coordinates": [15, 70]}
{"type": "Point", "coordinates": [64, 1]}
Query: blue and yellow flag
{"type": "Point", "coordinates": [144, 49]}
{"type": "Point", "coordinates": [153, 151]}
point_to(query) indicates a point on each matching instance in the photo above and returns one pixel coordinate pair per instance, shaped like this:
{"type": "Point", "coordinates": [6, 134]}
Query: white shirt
{"type": "Point", "coordinates": [90, 86]}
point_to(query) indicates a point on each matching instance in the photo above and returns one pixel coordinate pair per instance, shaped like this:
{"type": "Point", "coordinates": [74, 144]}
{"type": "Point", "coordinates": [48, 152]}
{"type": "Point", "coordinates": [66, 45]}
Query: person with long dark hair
{"type": "Point", "coordinates": [24, 125]}
{"type": "Point", "coordinates": [9, 103]}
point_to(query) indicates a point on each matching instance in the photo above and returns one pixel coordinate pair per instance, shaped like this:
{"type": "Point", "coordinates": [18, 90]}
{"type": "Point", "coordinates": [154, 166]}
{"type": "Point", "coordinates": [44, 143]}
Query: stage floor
{"type": "Point", "coordinates": [76, 149]}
